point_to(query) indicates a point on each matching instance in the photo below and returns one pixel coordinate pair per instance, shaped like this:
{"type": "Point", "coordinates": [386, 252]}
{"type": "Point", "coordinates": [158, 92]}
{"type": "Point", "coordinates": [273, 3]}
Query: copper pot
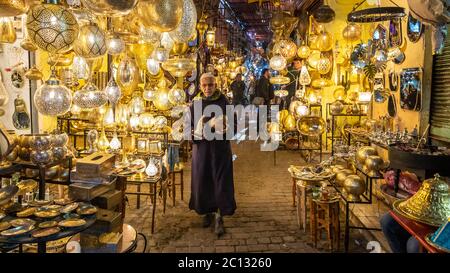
{"type": "Point", "coordinates": [354, 186]}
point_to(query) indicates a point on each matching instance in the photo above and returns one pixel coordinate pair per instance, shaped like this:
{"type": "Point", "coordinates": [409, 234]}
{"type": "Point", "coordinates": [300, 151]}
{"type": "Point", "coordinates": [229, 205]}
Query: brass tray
{"type": "Point", "coordinates": [4, 225]}
{"type": "Point", "coordinates": [39, 203]}
{"type": "Point", "coordinates": [51, 207]}
{"type": "Point", "coordinates": [63, 201]}
{"type": "Point", "coordinates": [27, 212]}
{"type": "Point", "coordinates": [26, 186]}
{"type": "Point", "coordinates": [17, 231]}
{"type": "Point", "coordinates": [68, 216]}
{"type": "Point", "coordinates": [441, 248]}
{"type": "Point", "coordinates": [45, 232]}
{"type": "Point", "coordinates": [48, 224]}
{"type": "Point", "coordinates": [47, 213]}
{"type": "Point", "coordinates": [69, 208]}
{"type": "Point", "coordinates": [22, 222]}
{"type": "Point", "coordinates": [7, 193]}
{"type": "Point", "coordinates": [72, 223]}
{"type": "Point", "coordinates": [2, 215]}
{"type": "Point", "coordinates": [425, 221]}
{"type": "Point", "coordinates": [86, 210]}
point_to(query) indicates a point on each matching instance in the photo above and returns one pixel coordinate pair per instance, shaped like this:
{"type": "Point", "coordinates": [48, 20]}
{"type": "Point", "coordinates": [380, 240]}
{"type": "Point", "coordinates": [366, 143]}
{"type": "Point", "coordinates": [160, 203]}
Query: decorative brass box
{"type": "Point", "coordinates": [95, 165]}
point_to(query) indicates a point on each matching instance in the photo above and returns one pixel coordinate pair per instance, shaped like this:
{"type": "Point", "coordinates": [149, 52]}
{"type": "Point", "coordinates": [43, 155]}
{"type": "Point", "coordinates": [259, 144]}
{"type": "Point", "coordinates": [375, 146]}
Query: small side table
{"type": "Point", "coordinates": [303, 190]}
{"type": "Point", "coordinates": [325, 216]}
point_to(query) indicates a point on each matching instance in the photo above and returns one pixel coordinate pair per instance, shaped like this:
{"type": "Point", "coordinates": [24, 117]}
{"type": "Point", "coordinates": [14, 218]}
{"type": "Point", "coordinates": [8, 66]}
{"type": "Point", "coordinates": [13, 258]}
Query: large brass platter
{"type": "Point", "coordinates": [48, 224]}
{"type": "Point", "coordinates": [72, 223]}
{"type": "Point", "coordinates": [441, 248]}
{"type": "Point", "coordinates": [38, 203]}
{"type": "Point", "coordinates": [430, 222]}
{"type": "Point", "coordinates": [47, 213]}
{"type": "Point", "coordinates": [26, 212]}
{"type": "Point", "coordinates": [22, 222]}
{"type": "Point", "coordinates": [86, 210]}
{"type": "Point", "coordinates": [7, 193]}
{"type": "Point", "coordinates": [4, 225]}
{"type": "Point", "coordinates": [69, 208]}
{"type": "Point", "coordinates": [63, 201]}
{"type": "Point", "coordinates": [26, 186]}
{"type": "Point", "coordinates": [17, 231]}
{"type": "Point", "coordinates": [45, 232]}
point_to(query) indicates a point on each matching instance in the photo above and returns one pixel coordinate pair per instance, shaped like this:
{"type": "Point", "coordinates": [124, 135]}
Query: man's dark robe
{"type": "Point", "coordinates": [212, 185]}
{"type": "Point", "coordinates": [264, 89]}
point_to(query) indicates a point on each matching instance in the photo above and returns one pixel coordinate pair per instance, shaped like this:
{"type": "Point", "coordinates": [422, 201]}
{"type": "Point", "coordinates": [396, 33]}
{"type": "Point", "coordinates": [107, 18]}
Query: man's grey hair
{"type": "Point", "coordinates": [206, 76]}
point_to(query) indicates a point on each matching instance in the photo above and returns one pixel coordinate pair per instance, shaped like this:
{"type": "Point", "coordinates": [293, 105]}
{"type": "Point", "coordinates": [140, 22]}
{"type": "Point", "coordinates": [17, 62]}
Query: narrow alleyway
{"type": "Point", "coordinates": [265, 220]}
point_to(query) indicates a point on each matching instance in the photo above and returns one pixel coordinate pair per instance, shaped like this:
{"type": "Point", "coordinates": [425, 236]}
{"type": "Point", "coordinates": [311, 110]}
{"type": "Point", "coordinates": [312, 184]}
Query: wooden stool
{"type": "Point", "coordinates": [325, 216]}
{"type": "Point", "coordinates": [177, 170]}
{"type": "Point", "coordinates": [302, 198]}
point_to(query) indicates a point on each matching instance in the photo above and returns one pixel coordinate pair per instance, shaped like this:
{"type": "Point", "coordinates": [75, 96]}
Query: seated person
{"type": "Point", "coordinates": [398, 238]}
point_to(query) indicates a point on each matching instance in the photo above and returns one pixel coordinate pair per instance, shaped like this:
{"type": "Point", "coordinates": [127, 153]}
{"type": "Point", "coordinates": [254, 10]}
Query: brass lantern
{"type": "Point", "coordinates": [161, 15]}
{"type": "Point", "coordinates": [52, 28]}
{"type": "Point", "coordinates": [211, 37]}
{"type": "Point", "coordinates": [186, 28]}
{"type": "Point", "coordinates": [7, 31]}
{"type": "Point", "coordinates": [202, 26]}
{"type": "Point", "coordinates": [91, 42]}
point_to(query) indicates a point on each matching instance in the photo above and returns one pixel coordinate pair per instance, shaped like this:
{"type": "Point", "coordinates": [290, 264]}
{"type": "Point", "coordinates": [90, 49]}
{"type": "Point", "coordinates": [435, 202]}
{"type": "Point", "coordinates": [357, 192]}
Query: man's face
{"type": "Point", "coordinates": [208, 86]}
{"type": "Point", "coordinates": [297, 65]}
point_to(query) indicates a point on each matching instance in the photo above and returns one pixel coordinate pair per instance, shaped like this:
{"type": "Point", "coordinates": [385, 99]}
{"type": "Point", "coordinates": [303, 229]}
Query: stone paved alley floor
{"type": "Point", "coordinates": [265, 219]}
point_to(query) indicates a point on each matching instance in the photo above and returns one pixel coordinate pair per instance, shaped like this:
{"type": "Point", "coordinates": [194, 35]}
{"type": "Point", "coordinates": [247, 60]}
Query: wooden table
{"type": "Point", "coordinates": [416, 229]}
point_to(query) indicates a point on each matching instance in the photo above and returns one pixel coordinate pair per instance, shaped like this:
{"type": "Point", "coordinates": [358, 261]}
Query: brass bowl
{"type": "Point", "coordinates": [374, 164]}
{"type": "Point", "coordinates": [311, 126]}
{"type": "Point", "coordinates": [337, 168]}
{"type": "Point", "coordinates": [354, 186]}
{"type": "Point", "coordinates": [363, 153]}
{"type": "Point", "coordinates": [342, 175]}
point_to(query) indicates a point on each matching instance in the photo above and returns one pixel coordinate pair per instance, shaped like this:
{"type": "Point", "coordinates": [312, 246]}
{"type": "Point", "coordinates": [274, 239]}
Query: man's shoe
{"type": "Point", "coordinates": [208, 219]}
{"type": "Point", "coordinates": [219, 229]}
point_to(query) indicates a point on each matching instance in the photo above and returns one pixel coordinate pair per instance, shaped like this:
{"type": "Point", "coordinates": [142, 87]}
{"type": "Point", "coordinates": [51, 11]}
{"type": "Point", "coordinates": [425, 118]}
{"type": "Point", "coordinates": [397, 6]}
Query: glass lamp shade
{"type": "Point", "coordinates": [151, 169]}
{"type": "Point", "coordinates": [110, 8]}
{"type": "Point", "coordinates": [352, 32]}
{"type": "Point", "coordinates": [160, 122]}
{"type": "Point", "coordinates": [108, 118]}
{"type": "Point", "coordinates": [89, 97]}
{"type": "Point", "coordinates": [178, 67]}
{"type": "Point", "coordinates": [286, 47]}
{"type": "Point", "coordinates": [166, 41]}
{"type": "Point", "coordinates": [324, 65]}
{"type": "Point", "coordinates": [115, 143]}
{"type": "Point", "coordinates": [277, 62]}
{"type": "Point", "coordinates": [160, 15]}
{"type": "Point", "coordinates": [153, 66]}
{"type": "Point", "coordinates": [7, 31]}
{"type": "Point", "coordinates": [53, 98]}
{"type": "Point", "coordinates": [137, 104]}
{"type": "Point", "coordinates": [304, 78]}
{"type": "Point", "coordinates": [52, 28]}
{"type": "Point", "coordinates": [103, 142]}
{"type": "Point", "coordinates": [112, 91]}
{"type": "Point", "coordinates": [279, 80]}
{"type": "Point", "coordinates": [365, 96]}
{"type": "Point", "coordinates": [187, 27]}
{"type": "Point", "coordinates": [115, 45]}
{"type": "Point", "coordinates": [177, 96]}
{"type": "Point", "coordinates": [91, 42]}
{"type": "Point", "coordinates": [324, 41]}
{"type": "Point", "coordinates": [161, 101]}
{"type": "Point", "coordinates": [211, 37]}
{"type": "Point", "coordinates": [281, 93]}
{"type": "Point", "coordinates": [146, 120]}
{"type": "Point", "coordinates": [128, 74]}
{"type": "Point", "coordinates": [134, 121]}
{"type": "Point", "coordinates": [303, 52]}
{"type": "Point", "coordinates": [160, 54]}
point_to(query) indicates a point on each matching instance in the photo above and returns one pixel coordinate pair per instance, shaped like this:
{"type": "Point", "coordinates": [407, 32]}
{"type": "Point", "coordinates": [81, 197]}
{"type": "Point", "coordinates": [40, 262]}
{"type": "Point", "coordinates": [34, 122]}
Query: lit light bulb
{"type": "Point", "coordinates": [115, 143]}
{"type": "Point", "coordinates": [137, 105]}
{"type": "Point", "coordinates": [149, 93]}
{"type": "Point", "coordinates": [277, 62]}
{"type": "Point", "coordinates": [313, 98]}
{"type": "Point", "coordinates": [112, 90]}
{"type": "Point", "coordinates": [115, 45]}
{"type": "Point", "coordinates": [146, 120]}
{"type": "Point", "coordinates": [151, 169]}
{"type": "Point", "coordinates": [108, 119]}
{"type": "Point", "coordinates": [134, 121]}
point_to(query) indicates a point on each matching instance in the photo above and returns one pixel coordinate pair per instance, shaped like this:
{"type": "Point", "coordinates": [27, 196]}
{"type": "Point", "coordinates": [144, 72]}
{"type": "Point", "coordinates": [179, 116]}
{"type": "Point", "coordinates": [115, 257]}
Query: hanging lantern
{"type": "Point", "coordinates": [80, 68]}
{"type": "Point", "coordinates": [287, 48]}
{"type": "Point", "coordinates": [149, 93]}
{"type": "Point", "coordinates": [161, 15]}
{"type": "Point", "coordinates": [324, 41]}
{"type": "Point", "coordinates": [137, 104]}
{"type": "Point", "coordinates": [53, 98]}
{"type": "Point", "coordinates": [304, 78]}
{"type": "Point", "coordinates": [134, 122]}
{"type": "Point", "coordinates": [161, 100]}
{"type": "Point", "coordinates": [323, 65]}
{"type": "Point", "coordinates": [89, 97]}
{"type": "Point", "coordinates": [186, 28]}
{"type": "Point", "coordinates": [277, 62]}
{"type": "Point", "coordinates": [176, 96]}
{"type": "Point", "coordinates": [27, 44]}
{"type": "Point", "coordinates": [149, 35]}
{"type": "Point", "coordinates": [91, 42]}
{"type": "Point", "coordinates": [279, 80]}
{"type": "Point", "coordinates": [108, 118]}
{"type": "Point", "coordinates": [141, 52]}
{"type": "Point", "coordinates": [339, 93]}
{"type": "Point", "coordinates": [160, 54]}
{"type": "Point", "coordinates": [303, 51]}
{"type": "Point", "coordinates": [153, 66]}
{"type": "Point", "coordinates": [115, 45]}
{"type": "Point", "coordinates": [115, 143]}
{"type": "Point", "coordinates": [211, 37]}
{"type": "Point", "coordinates": [103, 143]}
{"type": "Point", "coordinates": [179, 67]}
{"type": "Point", "coordinates": [9, 8]}
{"type": "Point", "coordinates": [146, 121]}
{"type": "Point", "coordinates": [110, 8]}
{"type": "Point", "coordinates": [34, 74]}
{"type": "Point", "coordinates": [352, 32]}
{"type": "Point", "coordinates": [112, 91]}
{"type": "Point", "coordinates": [128, 74]}
{"type": "Point", "coordinates": [52, 28]}
{"type": "Point", "coordinates": [7, 31]}
{"type": "Point", "coordinates": [202, 26]}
